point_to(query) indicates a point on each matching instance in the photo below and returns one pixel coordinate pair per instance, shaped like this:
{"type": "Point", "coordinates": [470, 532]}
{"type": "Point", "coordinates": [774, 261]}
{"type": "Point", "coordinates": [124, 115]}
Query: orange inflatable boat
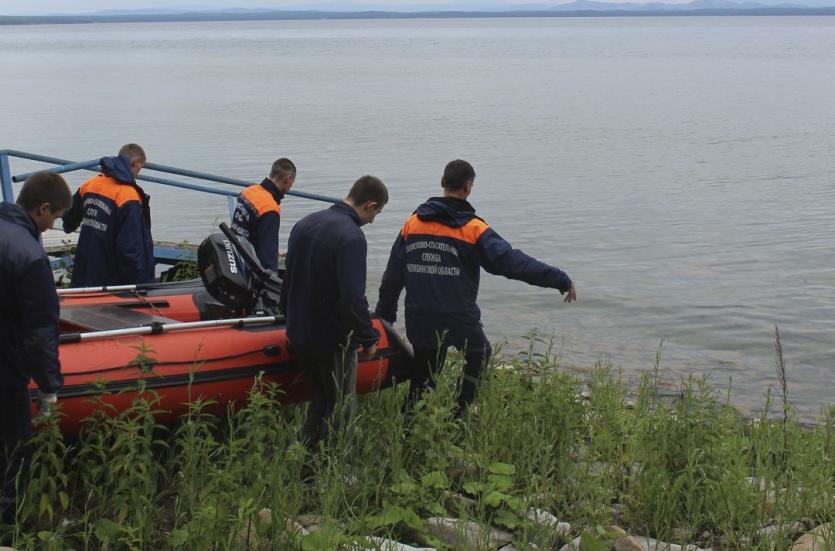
{"type": "Point", "coordinates": [182, 342]}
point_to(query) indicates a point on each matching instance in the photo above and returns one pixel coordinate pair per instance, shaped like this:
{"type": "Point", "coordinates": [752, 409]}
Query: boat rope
{"type": "Point", "coordinates": [138, 295]}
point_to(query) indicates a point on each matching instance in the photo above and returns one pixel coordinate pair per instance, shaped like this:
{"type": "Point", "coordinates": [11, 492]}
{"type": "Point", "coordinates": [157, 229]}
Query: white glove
{"type": "Point", "coordinates": [46, 403]}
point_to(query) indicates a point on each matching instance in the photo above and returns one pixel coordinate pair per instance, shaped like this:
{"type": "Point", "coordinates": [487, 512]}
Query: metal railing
{"type": "Point", "coordinates": [64, 165]}
{"type": "Point", "coordinates": [164, 254]}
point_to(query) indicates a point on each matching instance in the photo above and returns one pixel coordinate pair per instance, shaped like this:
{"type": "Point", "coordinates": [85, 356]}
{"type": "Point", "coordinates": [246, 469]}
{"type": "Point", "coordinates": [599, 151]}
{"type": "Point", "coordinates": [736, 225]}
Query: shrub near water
{"type": "Point", "coordinates": [687, 471]}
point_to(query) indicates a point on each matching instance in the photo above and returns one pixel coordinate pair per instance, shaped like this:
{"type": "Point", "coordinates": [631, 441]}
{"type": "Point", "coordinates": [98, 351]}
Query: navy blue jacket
{"type": "Point", "coordinates": [115, 245]}
{"type": "Point", "coordinates": [437, 257]}
{"type": "Point", "coordinates": [28, 305]}
{"type": "Point", "coordinates": [324, 287]}
{"type": "Point", "coordinates": [257, 218]}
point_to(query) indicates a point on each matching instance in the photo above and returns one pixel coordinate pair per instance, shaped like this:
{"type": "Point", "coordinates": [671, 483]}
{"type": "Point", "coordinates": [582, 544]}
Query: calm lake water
{"type": "Point", "coordinates": [679, 169]}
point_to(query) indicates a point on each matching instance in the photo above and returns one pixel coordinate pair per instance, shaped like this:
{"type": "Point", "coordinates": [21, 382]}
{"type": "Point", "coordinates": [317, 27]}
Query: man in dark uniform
{"type": "Point", "coordinates": [115, 245]}
{"type": "Point", "coordinates": [258, 214]}
{"type": "Point", "coordinates": [437, 257]}
{"type": "Point", "coordinates": [28, 323]}
{"type": "Point", "coordinates": [324, 298]}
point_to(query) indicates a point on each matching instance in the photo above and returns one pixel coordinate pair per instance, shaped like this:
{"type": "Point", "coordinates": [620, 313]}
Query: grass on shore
{"type": "Point", "coordinates": [690, 471]}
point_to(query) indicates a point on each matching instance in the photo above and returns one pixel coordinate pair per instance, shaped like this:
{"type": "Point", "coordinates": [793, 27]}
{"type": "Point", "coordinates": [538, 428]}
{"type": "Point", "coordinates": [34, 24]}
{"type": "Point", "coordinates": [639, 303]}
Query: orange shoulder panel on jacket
{"type": "Point", "coordinates": [260, 199]}
{"type": "Point", "coordinates": [111, 189]}
{"type": "Point", "coordinates": [468, 233]}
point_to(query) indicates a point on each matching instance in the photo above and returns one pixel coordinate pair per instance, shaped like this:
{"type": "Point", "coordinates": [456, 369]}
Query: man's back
{"type": "Point", "coordinates": [442, 260]}
{"type": "Point", "coordinates": [438, 256]}
{"type": "Point", "coordinates": [324, 287]}
{"type": "Point", "coordinates": [113, 213]}
{"type": "Point", "coordinates": [257, 218]}
{"type": "Point", "coordinates": [327, 312]}
{"type": "Point", "coordinates": [257, 215]}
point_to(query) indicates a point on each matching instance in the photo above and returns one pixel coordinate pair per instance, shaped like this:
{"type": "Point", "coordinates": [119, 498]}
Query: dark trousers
{"type": "Point", "coordinates": [15, 452]}
{"type": "Point", "coordinates": [429, 361]}
{"type": "Point", "coordinates": [334, 376]}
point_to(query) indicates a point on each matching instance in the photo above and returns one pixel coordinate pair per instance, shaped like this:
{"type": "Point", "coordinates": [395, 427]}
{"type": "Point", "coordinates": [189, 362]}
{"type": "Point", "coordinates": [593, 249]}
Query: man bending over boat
{"type": "Point", "coordinates": [258, 213]}
{"type": "Point", "coordinates": [28, 323]}
{"type": "Point", "coordinates": [115, 245]}
{"type": "Point", "coordinates": [324, 298]}
{"type": "Point", "coordinates": [437, 257]}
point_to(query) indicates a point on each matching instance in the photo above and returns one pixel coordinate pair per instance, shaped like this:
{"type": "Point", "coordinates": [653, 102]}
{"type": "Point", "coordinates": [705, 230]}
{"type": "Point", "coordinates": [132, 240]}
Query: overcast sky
{"type": "Point", "coordinates": [43, 7]}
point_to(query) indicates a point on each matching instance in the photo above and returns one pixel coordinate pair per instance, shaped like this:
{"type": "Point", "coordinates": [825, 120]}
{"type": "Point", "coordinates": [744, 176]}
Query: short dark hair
{"type": "Point", "coordinates": [456, 174]}
{"type": "Point", "coordinates": [282, 168]}
{"type": "Point", "coordinates": [134, 152]}
{"type": "Point", "coordinates": [45, 187]}
{"type": "Point", "coordinates": [368, 188]}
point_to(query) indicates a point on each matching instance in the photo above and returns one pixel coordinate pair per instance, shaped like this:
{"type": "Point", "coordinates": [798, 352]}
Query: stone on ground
{"type": "Point", "coordinates": [643, 543]}
{"type": "Point", "coordinates": [549, 522]}
{"type": "Point", "coordinates": [821, 538]}
{"type": "Point", "coordinates": [385, 544]}
{"type": "Point", "coordinates": [465, 534]}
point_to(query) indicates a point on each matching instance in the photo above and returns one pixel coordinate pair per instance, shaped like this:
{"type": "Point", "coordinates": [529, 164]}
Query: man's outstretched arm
{"type": "Point", "coordinates": [498, 257]}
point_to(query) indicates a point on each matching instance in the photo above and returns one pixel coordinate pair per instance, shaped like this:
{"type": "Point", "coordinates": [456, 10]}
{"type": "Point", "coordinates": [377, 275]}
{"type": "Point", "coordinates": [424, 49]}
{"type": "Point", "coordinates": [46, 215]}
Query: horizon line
{"type": "Point", "coordinates": [256, 14]}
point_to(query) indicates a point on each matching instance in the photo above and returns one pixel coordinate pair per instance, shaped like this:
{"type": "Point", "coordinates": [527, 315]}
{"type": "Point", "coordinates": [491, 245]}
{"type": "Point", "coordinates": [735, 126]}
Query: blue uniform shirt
{"type": "Point", "coordinates": [324, 287]}
{"type": "Point", "coordinates": [438, 256]}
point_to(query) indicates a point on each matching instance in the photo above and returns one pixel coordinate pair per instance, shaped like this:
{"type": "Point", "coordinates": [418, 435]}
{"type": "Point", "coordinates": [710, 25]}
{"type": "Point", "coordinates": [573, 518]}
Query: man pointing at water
{"type": "Point", "coordinates": [437, 257]}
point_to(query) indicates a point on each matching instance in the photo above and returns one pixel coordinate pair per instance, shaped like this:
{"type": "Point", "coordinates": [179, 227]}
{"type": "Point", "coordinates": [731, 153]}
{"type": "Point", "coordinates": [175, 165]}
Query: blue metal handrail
{"type": "Point", "coordinates": [232, 181]}
{"type": "Point", "coordinates": [59, 169]}
{"type": "Point", "coordinates": [6, 177]}
{"type": "Point", "coordinates": [63, 165]}
{"type": "Point", "coordinates": [92, 165]}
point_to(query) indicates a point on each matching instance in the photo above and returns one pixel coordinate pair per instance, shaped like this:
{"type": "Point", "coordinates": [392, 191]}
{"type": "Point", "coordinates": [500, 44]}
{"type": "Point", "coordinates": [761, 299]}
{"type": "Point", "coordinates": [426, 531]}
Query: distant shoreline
{"type": "Point", "coordinates": [314, 15]}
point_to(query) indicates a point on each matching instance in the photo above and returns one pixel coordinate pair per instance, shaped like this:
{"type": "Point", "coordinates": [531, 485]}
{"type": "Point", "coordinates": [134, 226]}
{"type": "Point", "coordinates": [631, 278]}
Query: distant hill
{"type": "Point", "coordinates": [481, 6]}
{"type": "Point", "coordinates": [590, 5]}
{"type": "Point", "coordinates": [576, 8]}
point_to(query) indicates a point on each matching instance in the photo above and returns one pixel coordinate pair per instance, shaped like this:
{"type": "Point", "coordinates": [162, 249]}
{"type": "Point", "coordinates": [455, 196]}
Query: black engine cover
{"type": "Point", "coordinates": [224, 272]}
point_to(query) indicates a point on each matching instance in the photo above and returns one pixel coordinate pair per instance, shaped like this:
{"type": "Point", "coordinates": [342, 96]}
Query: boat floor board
{"type": "Point", "coordinates": [105, 317]}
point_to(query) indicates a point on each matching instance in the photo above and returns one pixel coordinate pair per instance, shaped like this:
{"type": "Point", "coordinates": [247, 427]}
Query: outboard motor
{"type": "Point", "coordinates": [232, 274]}
{"type": "Point", "coordinates": [224, 272]}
